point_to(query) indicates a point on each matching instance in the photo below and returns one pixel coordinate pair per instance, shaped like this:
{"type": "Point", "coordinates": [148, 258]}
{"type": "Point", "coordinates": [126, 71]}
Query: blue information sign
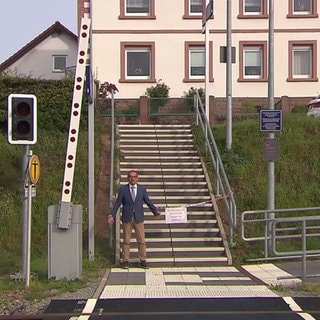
{"type": "Point", "coordinates": [270, 120]}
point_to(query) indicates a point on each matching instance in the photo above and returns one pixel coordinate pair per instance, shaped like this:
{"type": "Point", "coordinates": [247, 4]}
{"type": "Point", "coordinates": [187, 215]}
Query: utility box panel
{"type": "Point", "coordinates": [65, 246]}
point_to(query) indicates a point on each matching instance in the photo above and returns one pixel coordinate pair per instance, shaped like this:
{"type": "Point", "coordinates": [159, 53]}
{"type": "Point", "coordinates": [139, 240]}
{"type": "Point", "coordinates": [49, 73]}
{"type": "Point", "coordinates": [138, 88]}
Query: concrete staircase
{"type": "Point", "coordinates": [171, 170]}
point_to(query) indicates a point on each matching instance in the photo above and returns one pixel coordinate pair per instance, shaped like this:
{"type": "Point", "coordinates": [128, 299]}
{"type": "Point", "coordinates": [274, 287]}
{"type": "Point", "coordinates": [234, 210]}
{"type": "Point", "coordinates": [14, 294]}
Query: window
{"type": "Point", "coordinates": [141, 7]}
{"type": "Point", "coordinates": [195, 62]}
{"type": "Point", "coordinates": [253, 8]}
{"type": "Point", "coordinates": [197, 58]}
{"type": "Point", "coordinates": [302, 60]}
{"type": "Point", "coordinates": [137, 62]}
{"type": "Point", "coordinates": [302, 8]}
{"type": "Point", "coordinates": [137, 9]}
{"type": "Point", "coordinates": [253, 61]}
{"type": "Point", "coordinates": [193, 9]}
{"type": "Point", "coordinates": [59, 63]}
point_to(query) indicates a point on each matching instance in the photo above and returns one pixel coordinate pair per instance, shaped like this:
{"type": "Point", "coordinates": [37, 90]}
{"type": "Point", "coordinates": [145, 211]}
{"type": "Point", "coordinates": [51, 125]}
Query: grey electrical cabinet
{"type": "Point", "coordinates": [65, 245]}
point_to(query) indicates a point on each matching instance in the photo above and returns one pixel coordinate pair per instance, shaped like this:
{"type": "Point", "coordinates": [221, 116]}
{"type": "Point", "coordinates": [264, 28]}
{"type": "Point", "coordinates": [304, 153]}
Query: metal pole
{"type": "Point", "coordinates": [207, 52]}
{"type": "Point", "coordinates": [25, 162]}
{"type": "Point", "coordinates": [229, 79]}
{"type": "Point", "coordinates": [91, 153]}
{"type": "Point", "coordinates": [304, 252]}
{"type": "Point", "coordinates": [270, 164]}
{"type": "Point", "coordinates": [27, 275]}
{"type": "Point", "coordinates": [91, 179]}
{"type": "Point", "coordinates": [111, 165]}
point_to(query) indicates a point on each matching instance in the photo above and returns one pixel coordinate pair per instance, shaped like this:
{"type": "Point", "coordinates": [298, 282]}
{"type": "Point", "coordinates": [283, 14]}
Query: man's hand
{"type": "Point", "coordinates": [157, 215]}
{"type": "Point", "coordinates": [110, 219]}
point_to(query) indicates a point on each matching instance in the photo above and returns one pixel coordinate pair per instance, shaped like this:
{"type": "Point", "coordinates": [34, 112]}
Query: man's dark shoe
{"type": "Point", "coordinates": [125, 265]}
{"type": "Point", "coordinates": [143, 264]}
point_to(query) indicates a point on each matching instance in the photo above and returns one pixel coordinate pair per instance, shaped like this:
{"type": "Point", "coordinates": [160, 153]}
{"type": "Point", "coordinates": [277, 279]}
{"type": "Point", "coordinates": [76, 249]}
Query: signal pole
{"type": "Point", "coordinates": [229, 79]}
{"type": "Point", "coordinates": [22, 130]}
{"type": "Point", "coordinates": [25, 161]}
{"type": "Point", "coordinates": [271, 135]}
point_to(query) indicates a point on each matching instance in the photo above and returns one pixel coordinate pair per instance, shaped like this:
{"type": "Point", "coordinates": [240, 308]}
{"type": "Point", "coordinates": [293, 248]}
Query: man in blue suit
{"type": "Point", "coordinates": [132, 196]}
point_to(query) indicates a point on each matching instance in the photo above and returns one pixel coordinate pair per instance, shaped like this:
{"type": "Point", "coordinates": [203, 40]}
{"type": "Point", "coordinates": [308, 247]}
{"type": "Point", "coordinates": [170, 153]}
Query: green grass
{"type": "Point", "coordinates": [297, 170]}
{"type": "Point", "coordinates": [51, 149]}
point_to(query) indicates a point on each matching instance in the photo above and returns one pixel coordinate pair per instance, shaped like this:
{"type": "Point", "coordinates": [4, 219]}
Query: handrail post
{"type": "Point", "coordinates": [111, 233]}
{"type": "Point", "coordinates": [304, 251]}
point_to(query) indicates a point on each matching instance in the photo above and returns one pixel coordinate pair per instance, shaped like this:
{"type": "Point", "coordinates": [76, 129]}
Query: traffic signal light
{"type": "Point", "coordinates": [22, 119]}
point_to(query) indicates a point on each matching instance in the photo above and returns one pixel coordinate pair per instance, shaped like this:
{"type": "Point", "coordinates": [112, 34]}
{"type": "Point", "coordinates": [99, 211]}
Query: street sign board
{"type": "Point", "coordinates": [270, 120]}
{"type": "Point", "coordinates": [34, 169]}
{"type": "Point", "coordinates": [223, 54]}
{"type": "Point", "coordinates": [270, 149]}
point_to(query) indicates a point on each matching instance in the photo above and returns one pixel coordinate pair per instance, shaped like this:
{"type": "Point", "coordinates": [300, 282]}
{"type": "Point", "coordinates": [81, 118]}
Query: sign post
{"type": "Point", "coordinates": [34, 174]}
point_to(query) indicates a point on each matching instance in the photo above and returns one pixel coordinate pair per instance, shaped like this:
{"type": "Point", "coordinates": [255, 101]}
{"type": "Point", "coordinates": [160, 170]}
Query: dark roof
{"type": "Point", "coordinates": [57, 27]}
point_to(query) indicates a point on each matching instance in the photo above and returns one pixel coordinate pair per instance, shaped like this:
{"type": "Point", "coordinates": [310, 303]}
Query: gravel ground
{"type": "Point", "coordinates": [16, 304]}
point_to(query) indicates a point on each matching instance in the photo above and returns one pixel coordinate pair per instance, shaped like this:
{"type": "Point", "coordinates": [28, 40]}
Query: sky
{"type": "Point", "coordinates": [23, 20]}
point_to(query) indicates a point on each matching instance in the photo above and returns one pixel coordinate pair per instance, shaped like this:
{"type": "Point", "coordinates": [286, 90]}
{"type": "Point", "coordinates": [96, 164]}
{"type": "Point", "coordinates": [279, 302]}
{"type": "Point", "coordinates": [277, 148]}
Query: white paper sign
{"type": "Point", "coordinates": [176, 215]}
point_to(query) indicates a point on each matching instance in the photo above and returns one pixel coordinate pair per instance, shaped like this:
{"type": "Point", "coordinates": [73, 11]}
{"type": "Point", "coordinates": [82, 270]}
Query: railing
{"type": "Point", "coordinates": [114, 230]}
{"type": "Point", "coordinates": [168, 107]}
{"type": "Point", "coordinates": [290, 237]}
{"type": "Point", "coordinates": [223, 188]}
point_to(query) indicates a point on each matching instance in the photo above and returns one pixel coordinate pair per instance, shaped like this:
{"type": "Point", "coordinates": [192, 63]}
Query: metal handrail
{"type": "Point", "coordinates": [222, 183]}
{"type": "Point", "coordinates": [114, 230]}
{"type": "Point", "coordinates": [280, 232]}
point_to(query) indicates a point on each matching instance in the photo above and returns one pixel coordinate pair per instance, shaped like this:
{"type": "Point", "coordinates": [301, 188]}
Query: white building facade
{"type": "Point", "coordinates": [136, 43]}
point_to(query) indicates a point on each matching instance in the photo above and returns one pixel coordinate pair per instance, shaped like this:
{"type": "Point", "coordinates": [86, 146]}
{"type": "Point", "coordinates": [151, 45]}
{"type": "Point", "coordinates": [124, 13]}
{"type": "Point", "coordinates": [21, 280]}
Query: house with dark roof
{"type": "Point", "coordinates": [51, 55]}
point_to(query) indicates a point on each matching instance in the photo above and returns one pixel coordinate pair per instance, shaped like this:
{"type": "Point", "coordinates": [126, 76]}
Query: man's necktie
{"type": "Point", "coordinates": [133, 195]}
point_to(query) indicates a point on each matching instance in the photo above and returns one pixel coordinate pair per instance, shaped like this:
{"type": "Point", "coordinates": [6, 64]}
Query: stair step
{"type": "Point", "coordinates": [155, 141]}
{"type": "Point", "coordinates": [157, 127]}
{"type": "Point", "coordinates": [162, 164]}
{"type": "Point", "coordinates": [192, 217]}
{"type": "Point", "coordinates": [172, 184]}
{"type": "Point", "coordinates": [164, 145]}
{"type": "Point", "coordinates": [169, 166]}
{"type": "Point", "coordinates": [184, 249]}
{"type": "Point", "coordinates": [180, 239]}
{"type": "Point", "coordinates": [133, 128]}
{"type": "Point", "coordinates": [170, 170]}
{"type": "Point", "coordinates": [186, 198]}
{"type": "Point", "coordinates": [190, 221]}
{"type": "Point", "coordinates": [163, 151]}
{"type": "Point", "coordinates": [146, 177]}
{"type": "Point", "coordinates": [171, 130]}
{"type": "Point", "coordinates": [181, 159]}
{"type": "Point", "coordinates": [176, 240]}
{"type": "Point", "coordinates": [155, 135]}
{"type": "Point", "coordinates": [185, 262]}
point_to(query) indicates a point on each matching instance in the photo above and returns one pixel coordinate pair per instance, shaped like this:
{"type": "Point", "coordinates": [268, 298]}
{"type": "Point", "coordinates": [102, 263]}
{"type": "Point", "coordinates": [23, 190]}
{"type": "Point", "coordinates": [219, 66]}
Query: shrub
{"type": "Point", "coordinates": [54, 100]}
{"type": "Point", "coordinates": [189, 96]}
{"type": "Point", "coordinates": [158, 95]}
